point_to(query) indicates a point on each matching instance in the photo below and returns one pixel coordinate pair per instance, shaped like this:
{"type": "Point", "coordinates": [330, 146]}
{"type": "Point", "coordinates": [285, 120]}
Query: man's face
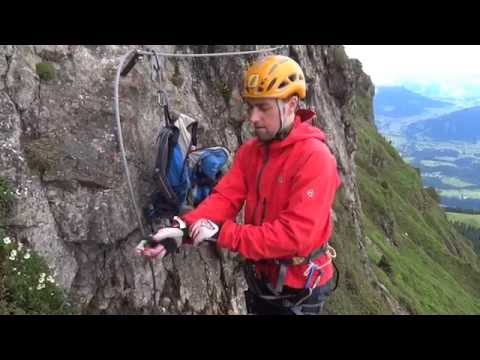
{"type": "Point", "coordinates": [264, 118]}
{"type": "Point", "coordinates": [263, 115]}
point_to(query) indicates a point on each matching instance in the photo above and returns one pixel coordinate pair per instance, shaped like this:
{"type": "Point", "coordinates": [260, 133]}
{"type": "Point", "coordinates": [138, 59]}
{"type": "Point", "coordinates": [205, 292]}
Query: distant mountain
{"type": "Point", "coordinates": [397, 101]}
{"type": "Point", "coordinates": [463, 125]}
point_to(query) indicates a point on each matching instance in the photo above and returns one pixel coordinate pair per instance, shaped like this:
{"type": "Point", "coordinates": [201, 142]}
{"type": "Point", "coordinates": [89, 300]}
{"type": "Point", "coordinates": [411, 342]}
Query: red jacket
{"type": "Point", "coordinates": [288, 188]}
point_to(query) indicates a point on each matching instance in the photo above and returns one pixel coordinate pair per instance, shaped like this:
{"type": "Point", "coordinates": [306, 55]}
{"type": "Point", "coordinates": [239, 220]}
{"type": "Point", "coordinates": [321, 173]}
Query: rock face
{"type": "Point", "coordinates": [59, 152]}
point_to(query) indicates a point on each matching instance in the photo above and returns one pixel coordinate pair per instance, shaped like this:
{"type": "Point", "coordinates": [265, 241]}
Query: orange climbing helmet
{"type": "Point", "coordinates": [274, 76]}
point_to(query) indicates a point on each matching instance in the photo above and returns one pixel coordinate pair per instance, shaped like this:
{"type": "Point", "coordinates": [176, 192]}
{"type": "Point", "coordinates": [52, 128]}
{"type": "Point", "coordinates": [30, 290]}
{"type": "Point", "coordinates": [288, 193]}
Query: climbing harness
{"type": "Point", "coordinates": [293, 301]}
{"type": "Point", "coordinates": [127, 63]}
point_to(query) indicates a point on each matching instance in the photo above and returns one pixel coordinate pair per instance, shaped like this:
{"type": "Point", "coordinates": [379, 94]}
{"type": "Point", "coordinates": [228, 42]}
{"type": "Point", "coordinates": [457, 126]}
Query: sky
{"type": "Point", "coordinates": [396, 64]}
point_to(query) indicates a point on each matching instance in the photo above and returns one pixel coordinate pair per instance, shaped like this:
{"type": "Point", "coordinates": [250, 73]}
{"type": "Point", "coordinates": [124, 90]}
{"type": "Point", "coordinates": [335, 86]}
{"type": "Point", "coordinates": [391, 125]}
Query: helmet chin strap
{"type": "Point", "coordinates": [278, 134]}
{"type": "Point", "coordinates": [282, 132]}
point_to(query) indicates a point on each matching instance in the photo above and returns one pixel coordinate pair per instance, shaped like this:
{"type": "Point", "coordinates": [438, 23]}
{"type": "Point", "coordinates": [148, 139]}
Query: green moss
{"type": "Point", "coordinates": [6, 199]}
{"type": "Point", "coordinates": [433, 194]}
{"type": "Point", "coordinates": [374, 254]}
{"type": "Point", "coordinates": [385, 265]}
{"type": "Point", "coordinates": [340, 57]}
{"type": "Point", "coordinates": [45, 71]}
{"type": "Point", "coordinates": [225, 91]}
{"type": "Point", "coordinates": [364, 106]}
{"type": "Point", "coordinates": [177, 78]}
{"type": "Point", "coordinates": [43, 154]}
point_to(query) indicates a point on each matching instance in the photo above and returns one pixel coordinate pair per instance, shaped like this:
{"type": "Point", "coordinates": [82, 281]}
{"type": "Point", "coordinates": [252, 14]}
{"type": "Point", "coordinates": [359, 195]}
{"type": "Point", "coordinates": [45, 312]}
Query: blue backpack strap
{"type": "Point", "coordinates": [178, 176]}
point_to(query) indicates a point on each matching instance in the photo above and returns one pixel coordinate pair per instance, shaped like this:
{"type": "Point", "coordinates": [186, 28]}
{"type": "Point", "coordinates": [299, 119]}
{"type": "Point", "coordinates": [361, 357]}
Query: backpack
{"type": "Point", "coordinates": [184, 175]}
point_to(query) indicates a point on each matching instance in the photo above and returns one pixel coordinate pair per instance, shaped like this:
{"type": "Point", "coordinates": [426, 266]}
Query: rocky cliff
{"type": "Point", "coordinates": [59, 153]}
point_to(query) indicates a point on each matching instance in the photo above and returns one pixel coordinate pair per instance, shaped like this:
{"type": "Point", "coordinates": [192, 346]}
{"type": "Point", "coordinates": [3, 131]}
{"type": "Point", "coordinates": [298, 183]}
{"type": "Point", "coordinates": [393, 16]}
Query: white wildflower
{"type": "Point", "coordinates": [40, 286]}
{"type": "Point", "coordinates": [13, 254]}
{"type": "Point", "coordinates": [14, 269]}
{"type": "Point", "coordinates": [50, 279]}
{"type": "Point", "coordinates": [30, 288]}
{"type": "Point", "coordinates": [26, 256]}
{"type": "Point", "coordinates": [20, 246]}
{"type": "Point", "coordinates": [19, 273]}
{"type": "Point", "coordinates": [6, 240]}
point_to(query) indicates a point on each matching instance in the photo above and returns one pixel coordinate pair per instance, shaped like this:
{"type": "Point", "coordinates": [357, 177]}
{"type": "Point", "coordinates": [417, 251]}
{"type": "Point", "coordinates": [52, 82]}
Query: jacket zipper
{"type": "Point", "coordinates": [259, 177]}
{"type": "Point", "coordinates": [264, 210]}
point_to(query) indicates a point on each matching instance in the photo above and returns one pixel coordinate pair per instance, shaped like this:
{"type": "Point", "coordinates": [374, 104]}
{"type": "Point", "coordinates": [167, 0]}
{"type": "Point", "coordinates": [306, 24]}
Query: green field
{"type": "Point", "coordinates": [432, 163]}
{"type": "Point", "coordinates": [460, 194]}
{"type": "Point", "coordinates": [445, 158]}
{"type": "Point", "coordinates": [456, 182]}
{"type": "Point", "coordinates": [470, 219]}
{"type": "Point", "coordinates": [454, 176]}
{"type": "Point", "coordinates": [465, 149]}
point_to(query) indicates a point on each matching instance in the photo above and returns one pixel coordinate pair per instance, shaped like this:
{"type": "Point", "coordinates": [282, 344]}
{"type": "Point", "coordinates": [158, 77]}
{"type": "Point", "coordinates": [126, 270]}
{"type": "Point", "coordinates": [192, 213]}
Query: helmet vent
{"type": "Point", "coordinates": [253, 80]}
{"type": "Point", "coordinates": [283, 84]}
{"type": "Point", "coordinates": [292, 77]}
{"type": "Point", "coordinates": [271, 84]}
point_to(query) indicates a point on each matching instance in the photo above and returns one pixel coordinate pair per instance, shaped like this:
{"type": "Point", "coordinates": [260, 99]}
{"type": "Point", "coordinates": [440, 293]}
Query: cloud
{"type": "Point", "coordinates": [397, 64]}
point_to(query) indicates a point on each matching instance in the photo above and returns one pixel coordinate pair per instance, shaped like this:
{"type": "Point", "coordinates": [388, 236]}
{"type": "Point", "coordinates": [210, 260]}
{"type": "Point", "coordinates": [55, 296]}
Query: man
{"type": "Point", "coordinates": [287, 179]}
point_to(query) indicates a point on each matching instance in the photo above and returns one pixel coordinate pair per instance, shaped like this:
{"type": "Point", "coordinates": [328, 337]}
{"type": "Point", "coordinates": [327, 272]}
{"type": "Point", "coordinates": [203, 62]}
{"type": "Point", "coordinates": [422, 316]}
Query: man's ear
{"type": "Point", "coordinates": [293, 104]}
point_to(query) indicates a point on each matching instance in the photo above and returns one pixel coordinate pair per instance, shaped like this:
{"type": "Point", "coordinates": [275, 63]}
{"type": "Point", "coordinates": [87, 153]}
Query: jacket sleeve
{"type": "Point", "coordinates": [227, 197]}
{"type": "Point", "coordinates": [297, 228]}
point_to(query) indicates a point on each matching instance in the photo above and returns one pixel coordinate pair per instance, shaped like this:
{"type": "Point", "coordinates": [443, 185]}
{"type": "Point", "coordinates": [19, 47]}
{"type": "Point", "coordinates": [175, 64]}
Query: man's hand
{"type": "Point", "coordinates": [202, 230]}
{"type": "Point", "coordinates": [165, 241]}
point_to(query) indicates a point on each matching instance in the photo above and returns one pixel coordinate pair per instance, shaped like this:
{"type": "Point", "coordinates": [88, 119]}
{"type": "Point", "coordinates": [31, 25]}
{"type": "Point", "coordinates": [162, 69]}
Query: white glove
{"type": "Point", "coordinates": [203, 229]}
{"type": "Point", "coordinates": [169, 239]}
